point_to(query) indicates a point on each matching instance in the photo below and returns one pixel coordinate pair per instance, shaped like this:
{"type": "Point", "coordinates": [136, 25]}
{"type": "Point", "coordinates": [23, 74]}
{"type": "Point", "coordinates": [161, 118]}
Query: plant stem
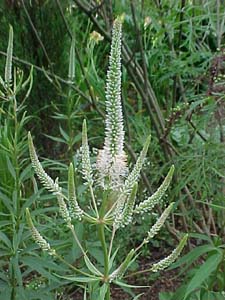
{"type": "Point", "coordinates": [101, 234]}
{"type": "Point", "coordinates": [111, 242]}
{"type": "Point", "coordinates": [71, 266]}
{"type": "Point", "coordinates": [93, 200]}
{"type": "Point", "coordinates": [76, 239]}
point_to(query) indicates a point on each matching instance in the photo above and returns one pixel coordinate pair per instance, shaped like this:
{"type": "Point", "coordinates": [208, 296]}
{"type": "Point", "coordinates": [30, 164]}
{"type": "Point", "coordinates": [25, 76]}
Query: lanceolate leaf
{"type": "Point", "coordinates": [91, 267]}
{"type": "Point", "coordinates": [79, 279]}
{"type": "Point", "coordinates": [190, 257]}
{"type": "Point", "coordinates": [123, 284]}
{"type": "Point", "coordinates": [207, 268]}
{"type": "Point", "coordinates": [118, 273]}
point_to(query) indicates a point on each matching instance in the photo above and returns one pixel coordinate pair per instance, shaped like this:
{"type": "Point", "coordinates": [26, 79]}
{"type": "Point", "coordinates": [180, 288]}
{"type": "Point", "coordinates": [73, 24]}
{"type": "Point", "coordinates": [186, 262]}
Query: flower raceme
{"type": "Point", "coordinates": [112, 161]}
{"type": "Point", "coordinates": [113, 173]}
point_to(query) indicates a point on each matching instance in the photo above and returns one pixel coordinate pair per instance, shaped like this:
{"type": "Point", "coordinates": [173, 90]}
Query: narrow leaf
{"type": "Point", "coordinates": [79, 279]}
{"type": "Point", "coordinates": [209, 266]}
{"type": "Point", "coordinates": [91, 267]}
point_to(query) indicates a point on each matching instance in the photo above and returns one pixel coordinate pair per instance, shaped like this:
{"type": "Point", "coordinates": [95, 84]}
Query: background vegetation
{"type": "Point", "coordinates": [173, 87]}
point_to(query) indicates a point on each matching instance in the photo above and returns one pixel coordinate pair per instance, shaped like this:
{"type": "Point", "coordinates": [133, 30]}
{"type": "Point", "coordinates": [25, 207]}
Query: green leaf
{"type": "Point", "coordinates": [5, 239]}
{"type": "Point", "coordinates": [112, 258]}
{"type": "Point", "coordinates": [6, 201]}
{"type": "Point", "coordinates": [79, 279]}
{"type": "Point", "coordinates": [103, 291]}
{"type": "Point", "coordinates": [190, 257]}
{"type": "Point", "coordinates": [11, 168]}
{"type": "Point", "coordinates": [26, 173]}
{"type": "Point", "coordinates": [91, 267]}
{"type": "Point", "coordinates": [30, 80]}
{"type": "Point", "coordinates": [138, 296]}
{"type": "Point", "coordinates": [209, 295]}
{"type": "Point", "coordinates": [96, 253]}
{"type": "Point", "coordinates": [203, 272]}
{"type": "Point", "coordinates": [123, 284]}
{"type": "Point", "coordinates": [40, 265]}
{"type": "Point", "coordinates": [118, 273]}
{"type": "Point", "coordinates": [85, 294]}
{"type": "Point", "coordinates": [16, 269]}
{"type": "Point", "coordinates": [217, 207]}
{"type": "Point", "coordinates": [64, 134]}
{"type": "Point", "coordinates": [165, 296]}
{"type": "Point", "coordinates": [56, 139]}
{"type": "Point", "coordinates": [17, 237]}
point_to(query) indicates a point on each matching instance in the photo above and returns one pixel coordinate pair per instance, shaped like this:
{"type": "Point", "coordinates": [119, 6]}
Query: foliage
{"type": "Point", "coordinates": [18, 262]}
{"type": "Point", "coordinates": [203, 281]}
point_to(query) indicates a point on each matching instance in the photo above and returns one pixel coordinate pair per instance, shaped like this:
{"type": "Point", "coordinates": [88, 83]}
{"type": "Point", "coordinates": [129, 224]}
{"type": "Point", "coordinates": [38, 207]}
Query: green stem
{"type": "Point", "coordinates": [93, 200]}
{"type": "Point", "coordinates": [76, 239]}
{"type": "Point", "coordinates": [59, 257]}
{"type": "Point", "coordinates": [111, 242]}
{"type": "Point", "coordinates": [16, 163]}
{"type": "Point", "coordinates": [108, 293]}
{"type": "Point", "coordinates": [101, 233]}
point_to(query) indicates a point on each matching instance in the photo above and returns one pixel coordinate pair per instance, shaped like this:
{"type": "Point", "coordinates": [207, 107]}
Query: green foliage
{"type": "Point", "coordinates": [204, 280]}
{"type": "Point", "coordinates": [18, 261]}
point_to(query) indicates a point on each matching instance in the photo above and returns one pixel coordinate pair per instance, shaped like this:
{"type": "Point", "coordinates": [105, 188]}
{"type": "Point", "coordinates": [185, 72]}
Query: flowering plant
{"type": "Point", "coordinates": [119, 187]}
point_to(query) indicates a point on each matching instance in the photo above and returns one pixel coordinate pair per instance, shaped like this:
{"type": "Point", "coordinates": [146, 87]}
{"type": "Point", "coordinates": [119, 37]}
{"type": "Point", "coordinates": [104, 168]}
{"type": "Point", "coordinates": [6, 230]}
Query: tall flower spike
{"type": "Point", "coordinates": [111, 160]}
{"type": "Point", "coordinates": [149, 203]}
{"type": "Point", "coordinates": [8, 65]}
{"type": "Point", "coordinates": [133, 177]}
{"type": "Point", "coordinates": [157, 226]}
{"type": "Point", "coordinates": [74, 209]}
{"type": "Point", "coordinates": [38, 238]}
{"type": "Point", "coordinates": [166, 262]}
{"type": "Point", "coordinates": [114, 119]}
{"type": "Point", "coordinates": [124, 216]}
{"type": "Point", "coordinates": [86, 164]}
{"type": "Point", "coordinates": [63, 210]}
{"type": "Point", "coordinates": [45, 179]}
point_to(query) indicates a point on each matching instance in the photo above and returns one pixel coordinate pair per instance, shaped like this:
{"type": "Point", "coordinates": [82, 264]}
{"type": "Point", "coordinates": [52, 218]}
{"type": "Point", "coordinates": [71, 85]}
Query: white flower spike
{"type": "Point", "coordinates": [111, 161]}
